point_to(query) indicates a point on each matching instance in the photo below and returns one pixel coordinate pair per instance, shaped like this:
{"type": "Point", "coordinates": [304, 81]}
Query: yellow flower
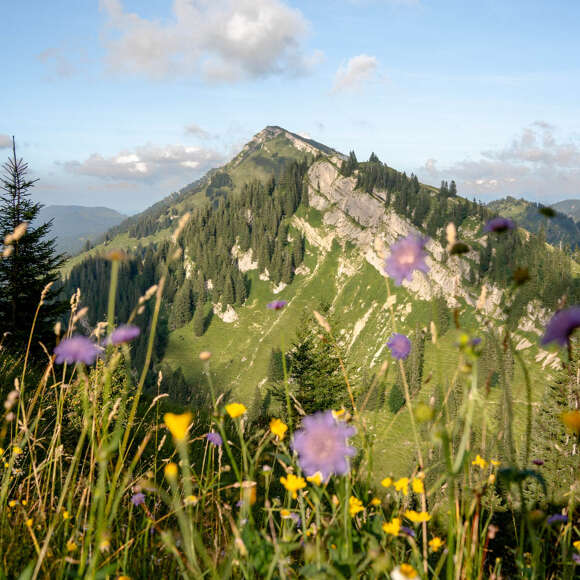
{"type": "Point", "coordinates": [191, 499]}
{"type": "Point", "coordinates": [417, 517]}
{"type": "Point", "coordinates": [1, 450]}
{"type": "Point", "coordinates": [105, 545]}
{"type": "Point", "coordinates": [355, 505]}
{"type": "Point", "coordinates": [17, 450]}
{"type": "Point", "coordinates": [316, 479]}
{"type": "Point", "coordinates": [6, 464]}
{"type": "Point", "coordinates": [435, 544]}
{"type": "Point", "coordinates": [393, 527]}
{"type": "Point", "coordinates": [279, 428]}
{"type": "Point", "coordinates": [387, 482]}
{"type": "Point", "coordinates": [404, 572]}
{"type": "Point", "coordinates": [375, 501]}
{"type": "Point", "coordinates": [29, 522]}
{"type": "Point", "coordinates": [418, 486]}
{"type": "Point", "coordinates": [12, 503]}
{"type": "Point", "coordinates": [339, 413]}
{"type": "Point", "coordinates": [572, 420]}
{"type": "Point", "coordinates": [293, 484]}
{"type": "Point", "coordinates": [178, 424]}
{"type": "Point", "coordinates": [171, 471]}
{"type": "Point", "coordinates": [235, 410]}
{"type": "Point", "coordinates": [24, 502]}
{"type": "Point", "coordinates": [65, 515]}
{"type": "Point", "coordinates": [479, 461]}
{"type": "Point", "coordinates": [495, 462]}
{"type": "Point", "coordinates": [402, 485]}
{"type": "Point", "coordinates": [71, 546]}
{"type": "Point", "coordinates": [123, 577]}
{"type": "Point", "coordinates": [576, 544]}
{"type": "Point", "coordinates": [285, 513]}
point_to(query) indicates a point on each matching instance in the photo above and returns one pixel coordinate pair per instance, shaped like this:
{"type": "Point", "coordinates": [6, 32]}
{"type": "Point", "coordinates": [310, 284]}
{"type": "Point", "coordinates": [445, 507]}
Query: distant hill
{"type": "Point", "coordinates": [559, 229]}
{"type": "Point", "coordinates": [570, 207]}
{"type": "Point", "coordinates": [74, 225]}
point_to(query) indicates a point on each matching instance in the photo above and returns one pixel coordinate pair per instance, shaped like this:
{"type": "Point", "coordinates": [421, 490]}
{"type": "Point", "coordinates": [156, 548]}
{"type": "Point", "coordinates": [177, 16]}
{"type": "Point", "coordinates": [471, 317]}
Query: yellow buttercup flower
{"type": "Point", "coordinates": [278, 428]}
{"type": "Point", "coordinates": [178, 424]}
{"type": "Point", "coordinates": [235, 410]}
{"type": "Point", "coordinates": [65, 515]}
{"type": "Point", "coordinates": [316, 479]}
{"type": "Point", "coordinates": [285, 513]}
{"type": "Point", "coordinates": [376, 501]}
{"type": "Point", "coordinates": [393, 527]}
{"type": "Point", "coordinates": [402, 485]}
{"type": "Point", "coordinates": [29, 522]}
{"type": "Point", "coordinates": [171, 470]}
{"type": "Point", "coordinates": [293, 483]}
{"type": "Point", "coordinates": [572, 420]}
{"type": "Point", "coordinates": [495, 462]}
{"type": "Point", "coordinates": [576, 544]}
{"type": "Point", "coordinates": [435, 544]}
{"type": "Point", "coordinates": [17, 450]}
{"type": "Point", "coordinates": [479, 461]}
{"type": "Point", "coordinates": [355, 506]}
{"type": "Point", "coordinates": [71, 546]}
{"type": "Point", "coordinates": [403, 572]}
{"type": "Point", "coordinates": [387, 482]}
{"type": "Point", "coordinates": [417, 517]}
{"type": "Point", "coordinates": [191, 499]}
{"type": "Point", "coordinates": [418, 486]}
{"type": "Point", "coordinates": [12, 503]}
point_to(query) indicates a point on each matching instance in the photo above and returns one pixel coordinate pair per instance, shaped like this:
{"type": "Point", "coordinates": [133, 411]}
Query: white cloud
{"type": "Point", "coordinates": [197, 131]}
{"type": "Point", "coordinates": [220, 40]}
{"type": "Point", "coordinates": [149, 163]}
{"type": "Point", "coordinates": [357, 71]}
{"type": "Point", "coordinates": [535, 164]}
{"type": "Point", "coordinates": [5, 141]}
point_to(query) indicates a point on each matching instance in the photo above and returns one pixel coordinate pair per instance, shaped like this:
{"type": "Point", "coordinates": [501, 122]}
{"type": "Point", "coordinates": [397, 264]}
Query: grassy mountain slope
{"type": "Point", "coordinates": [570, 207]}
{"type": "Point", "coordinates": [559, 229]}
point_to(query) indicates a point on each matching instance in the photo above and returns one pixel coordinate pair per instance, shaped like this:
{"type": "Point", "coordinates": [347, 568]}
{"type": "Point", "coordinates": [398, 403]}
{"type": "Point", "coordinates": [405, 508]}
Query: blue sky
{"type": "Point", "coordinates": [120, 102]}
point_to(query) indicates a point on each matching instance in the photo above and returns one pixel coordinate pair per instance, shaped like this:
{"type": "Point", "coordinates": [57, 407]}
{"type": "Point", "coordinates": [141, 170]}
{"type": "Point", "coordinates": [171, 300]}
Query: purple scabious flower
{"type": "Point", "coordinates": [408, 531]}
{"type": "Point", "coordinates": [576, 558]}
{"type": "Point", "coordinates": [499, 225]}
{"type": "Point", "coordinates": [76, 349]}
{"type": "Point", "coordinates": [276, 304]}
{"type": "Point", "coordinates": [322, 445]}
{"type": "Point", "coordinates": [399, 345]}
{"type": "Point", "coordinates": [557, 518]}
{"type": "Point", "coordinates": [214, 438]}
{"type": "Point", "coordinates": [137, 499]}
{"type": "Point", "coordinates": [124, 333]}
{"type": "Point", "coordinates": [407, 255]}
{"type": "Point", "coordinates": [562, 325]}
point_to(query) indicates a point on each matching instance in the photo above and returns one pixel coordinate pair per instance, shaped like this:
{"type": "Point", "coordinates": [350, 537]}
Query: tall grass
{"type": "Point", "coordinates": [100, 480]}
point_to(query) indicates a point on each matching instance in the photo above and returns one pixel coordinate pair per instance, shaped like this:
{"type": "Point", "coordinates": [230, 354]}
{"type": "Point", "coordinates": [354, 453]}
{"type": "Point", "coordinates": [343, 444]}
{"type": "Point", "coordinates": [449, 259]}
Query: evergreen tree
{"type": "Point", "coordinates": [198, 320]}
{"type": "Point", "coordinates": [181, 309]}
{"type": "Point", "coordinates": [30, 263]}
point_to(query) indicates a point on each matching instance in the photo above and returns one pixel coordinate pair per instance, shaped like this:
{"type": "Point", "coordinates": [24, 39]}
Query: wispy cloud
{"type": "Point", "coordinates": [353, 74]}
{"type": "Point", "coordinates": [536, 163]}
{"type": "Point", "coordinates": [221, 40]}
{"type": "Point", "coordinates": [5, 141]}
{"type": "Point", "coordinates": [149, 163]}
{"type": "Point", "coordinates": [197, 131]}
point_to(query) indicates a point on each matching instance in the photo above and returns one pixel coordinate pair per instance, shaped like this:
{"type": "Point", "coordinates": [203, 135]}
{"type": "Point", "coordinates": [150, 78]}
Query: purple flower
{"type": "Point", "coordinates": [296, 519]}
{"type": "Point", "coordinates": [214, 438]}
{"type": "Point", "coordinates": [399, 345]}
{"type": "Point", "coordinates": [408, 531]}
{"type": "Point", "coordinates": [538, 462]}
{"type": "Point", "coordinates": [124, 333]}
{"type": "Point", "coordinates": [138, 499]}
{"type": "Point", "coordinates": [576, 558]}
{"type": "Point", "coordinates": [562, 325]}
{"type": "Point", "coordinates": [76, 349]}
{"type": "Point", "coordinates": [407, 255]}
{"type": "Point", "coordinates": [499, 225]}
{"type": "Point", "coordinates": [322, 445]}
{"type": "Point", "coordinates": [557, 518]}
{"type": "Point", "coordinates": [276, 305]}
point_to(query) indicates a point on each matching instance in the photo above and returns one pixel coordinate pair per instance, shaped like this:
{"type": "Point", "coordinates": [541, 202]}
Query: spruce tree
{"type": "Point", "coordinates": [198, 320]}
{"type": "Point", "coordinates": [29, 264]}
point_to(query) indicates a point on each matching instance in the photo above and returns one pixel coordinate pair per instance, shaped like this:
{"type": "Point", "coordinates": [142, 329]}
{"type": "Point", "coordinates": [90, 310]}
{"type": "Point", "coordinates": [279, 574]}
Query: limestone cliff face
{"type": "Point", "coordinates": [360, 218]}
